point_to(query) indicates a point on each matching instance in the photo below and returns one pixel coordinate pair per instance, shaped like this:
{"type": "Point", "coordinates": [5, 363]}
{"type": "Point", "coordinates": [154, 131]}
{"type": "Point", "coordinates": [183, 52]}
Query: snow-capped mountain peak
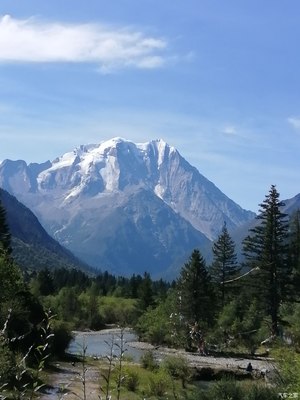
{"type": "Point", "coordinates": [113, 164]}
{"type": "Point", "coordinates": [98, 187]}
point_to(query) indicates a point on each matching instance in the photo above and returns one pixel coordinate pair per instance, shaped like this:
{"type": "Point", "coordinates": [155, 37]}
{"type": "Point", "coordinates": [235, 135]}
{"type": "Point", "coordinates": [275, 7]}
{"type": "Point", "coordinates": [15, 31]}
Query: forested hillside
{"type": "Point", "coordinates": [32, 247]}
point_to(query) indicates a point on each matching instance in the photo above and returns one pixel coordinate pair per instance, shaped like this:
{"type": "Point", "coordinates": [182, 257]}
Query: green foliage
{"type": "Point", "coordinates": [10, 280]}
{"type": "Point", "coordinates": [89, 311]}
{"type": "Point", "coordinates": [197, 303]}
{"type": "Point", "coordinates": [289, 375]}
{"type": "Point", "coordinates": [255, 392]}
{"type": "Point", "coordinates": [235, 320]}
{"type": "Point", "coordinates": [5, 238]}
{"type": "Point", "coordinates": [23, 382]}
{"type": "Point", "coordinates": [45, 282]}
{"type": "Point", "coordinates": [294, 254]}
{"type": "Point", "coordinates": [234, 390]}
{"type": "Point", "coordinates": [145, 292]}
{"type": "Point", "coordinates": [118, 310]}
{"type": "Point", "coordinates": [68, 303]}
{"type": "Point", "coordinates": [291, 314]}
{"type": "Point", "coordinates": [24, 335]}
{"type": "Point", "coordinates": [131, 379]}
{"type": "Point", "coordinates": [7, 362]}
{"type": "Point", "coordinates": [92, 302]}
{"type": "Point", "coordinates": [62, 336]}
{"type": "Point", "coordinates": [226, 390]}
{"type": "Point", "coordinates": [178, 368]}
{"type": "Point", "coordinates": [239, 325]}
{"type": "Point", "coordinates": [163, 324]}
{"type": "Point", "coordinates": [224, 267]}
{"type": "Point", "coordinates": [159, 383]}
{"type": "Point", "coordinates": [148, 361]}
{"type": "Point", "coordinates": [36, 256]}
{"type": "Point", "coordinates": [153, 326]}
{"type": "Point", "coordinates": [266, 250]}
{"type": "Point", "coordinates": [32, 247]}
{"type": "Point", "coordinates": [26, 312]}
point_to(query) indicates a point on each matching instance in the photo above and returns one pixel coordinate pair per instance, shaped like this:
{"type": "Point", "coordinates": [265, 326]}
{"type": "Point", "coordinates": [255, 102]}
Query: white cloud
{"type": "Point", "coordinates": [230, 130]}
{"type": "Point", "coordinates": [294, 121]}
{"type": "Point", "coordinates": [36, 41]}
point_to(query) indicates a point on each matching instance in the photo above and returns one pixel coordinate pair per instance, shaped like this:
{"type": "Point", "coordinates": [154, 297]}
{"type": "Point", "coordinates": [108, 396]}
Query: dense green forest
{"type": "Point", "coordinates": [226, 307]}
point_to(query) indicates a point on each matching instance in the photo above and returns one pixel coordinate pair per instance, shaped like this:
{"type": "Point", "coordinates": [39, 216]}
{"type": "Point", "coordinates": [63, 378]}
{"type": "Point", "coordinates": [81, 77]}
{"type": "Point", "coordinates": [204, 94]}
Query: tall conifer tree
{"type": "Point", "coordinates": [5, 238]}
{"type": "Point", "coordinates": [196, 291]}
{"type": "Point", "coordinates": [266, 248]}
{"type": "Point", "coordinates": [294, 252]}
{"type": "Point", "coordinates": [224, 266]}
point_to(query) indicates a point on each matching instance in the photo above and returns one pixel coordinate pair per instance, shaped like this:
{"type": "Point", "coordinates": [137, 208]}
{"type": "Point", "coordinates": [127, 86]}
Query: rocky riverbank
{"type": "Point", "coordinates": [196, 360]}
{"type": "Point", "coordinates": [66, 377]}
{"type": "Point", "coordinates": [211, 366]}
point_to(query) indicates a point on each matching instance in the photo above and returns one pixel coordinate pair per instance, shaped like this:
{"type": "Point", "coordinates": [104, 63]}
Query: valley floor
{"type": "Point", "coordinates": [66, 377]}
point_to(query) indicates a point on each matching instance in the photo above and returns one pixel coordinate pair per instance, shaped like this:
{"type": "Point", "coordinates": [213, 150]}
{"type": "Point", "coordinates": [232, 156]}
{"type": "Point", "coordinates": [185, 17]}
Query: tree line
{"type": "Point", "coordinates": [236, 304]}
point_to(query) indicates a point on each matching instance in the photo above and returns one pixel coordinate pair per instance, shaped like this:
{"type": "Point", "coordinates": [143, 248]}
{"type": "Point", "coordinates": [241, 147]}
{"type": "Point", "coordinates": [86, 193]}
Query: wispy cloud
{"type": "Point", "coordinates": [294, 121]}
{"type": "Point", "coordinates": [32, 40]}
{"type": "Point", "coordinates": [230, 130]}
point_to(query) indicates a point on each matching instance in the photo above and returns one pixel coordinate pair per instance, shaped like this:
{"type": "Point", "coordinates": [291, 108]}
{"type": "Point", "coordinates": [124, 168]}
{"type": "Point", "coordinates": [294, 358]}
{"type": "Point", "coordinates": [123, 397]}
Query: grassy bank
{"type": "Point", "coordinates": [94, 379]}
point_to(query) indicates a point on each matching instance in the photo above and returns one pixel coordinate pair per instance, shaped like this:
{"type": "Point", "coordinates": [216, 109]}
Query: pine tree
{"type": "Point", "coordinates": [294, 251]}
{"type": "Point", "coordinates": [224, 266]}
{"type": "Point", "coordinates": [5, 238]}
{"type": "Point", "coordinates": [145, 292]}
{"type": "Point", "coordinates": [45, 282]}
{"type": "Point", "coordinates": [266, 248]}
{"type": "Point", "coordinates": [196, 291]}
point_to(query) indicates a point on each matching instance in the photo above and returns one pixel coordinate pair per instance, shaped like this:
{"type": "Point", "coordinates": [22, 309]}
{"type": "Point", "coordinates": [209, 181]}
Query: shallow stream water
{"type": "Point", "coordinates": [98, 344]}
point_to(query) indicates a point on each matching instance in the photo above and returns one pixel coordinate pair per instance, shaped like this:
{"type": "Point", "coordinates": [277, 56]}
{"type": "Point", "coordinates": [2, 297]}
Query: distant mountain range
{"type": "Point", "coordinates": [32, 247]}
{"type": "Point", "coordinates": [123, 206]}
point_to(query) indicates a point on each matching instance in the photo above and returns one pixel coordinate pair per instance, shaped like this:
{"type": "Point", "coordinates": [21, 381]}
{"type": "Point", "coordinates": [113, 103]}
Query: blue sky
{"type": "Point", "coordinates": [220, 81]}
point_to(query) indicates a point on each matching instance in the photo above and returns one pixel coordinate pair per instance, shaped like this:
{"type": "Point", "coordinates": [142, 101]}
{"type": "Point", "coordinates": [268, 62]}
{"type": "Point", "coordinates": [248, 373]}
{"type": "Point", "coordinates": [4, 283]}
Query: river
{"type": "Point", "coordinates": [98, 344]}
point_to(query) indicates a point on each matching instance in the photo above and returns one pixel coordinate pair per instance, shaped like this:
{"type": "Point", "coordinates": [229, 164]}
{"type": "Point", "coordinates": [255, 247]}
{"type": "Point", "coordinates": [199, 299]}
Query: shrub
{"type": "Point", "coordinates": [96, 322]}
{"type": "Point", "coordinates": [289, 365]}
{"type": "Point", "coordinates": [159, 383]}
{"type": "Point", "coordinates": [231, 390]}
{"type": "Point", "coordinates": [117, 310]}
{"type": "Point", "coordinates": [227, 389]}
{"type": "Point", "coordinates": [132, 379]}
{"type": "Point", "coordinates": [261, 393]}
{"type": "Point", "coordinates": [148, 361]}
{"type": "Point", "coordinates": [177, 367]}
{"type": "Point", "coordinates": [7, 363]}
{"type": "Point", "coordinates": [62, 337]}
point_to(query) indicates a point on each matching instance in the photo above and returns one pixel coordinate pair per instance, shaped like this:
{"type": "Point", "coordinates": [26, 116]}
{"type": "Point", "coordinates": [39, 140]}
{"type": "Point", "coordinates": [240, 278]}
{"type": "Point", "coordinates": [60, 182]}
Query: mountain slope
{"type": "Point", "coordinates": [105, 203]}
{"type": "Point", "coordinates": [32, 247]}
{"type": "Point", "coordinates": [291, 205]}
{"type": "Point", "coordinates": [140, 233]}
